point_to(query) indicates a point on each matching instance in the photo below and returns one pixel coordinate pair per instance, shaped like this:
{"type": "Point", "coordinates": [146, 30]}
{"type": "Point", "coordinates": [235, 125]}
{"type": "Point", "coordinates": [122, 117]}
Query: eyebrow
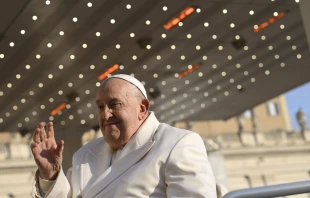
{"type": "Point", "coordinates": [112, 100]}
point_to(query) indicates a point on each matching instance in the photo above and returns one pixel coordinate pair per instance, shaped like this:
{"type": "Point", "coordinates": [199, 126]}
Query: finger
{"type": "Point", "coordinates": [50, 130]}
{"type": "Point", "coordinates": [42, 131]}
{"type": "Point", "coordinates": [34, 147]}
{"type": "Point", "coordinates": [36, 135]}
{"type": "Point", "coordinates": [60, 147]}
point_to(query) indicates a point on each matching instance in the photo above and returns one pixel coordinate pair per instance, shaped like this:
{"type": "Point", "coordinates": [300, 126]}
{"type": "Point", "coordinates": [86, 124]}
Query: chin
{"type": "Point", "coordinates": [112, 136]}
{"type": "Point", "coordinates": [114, 143]}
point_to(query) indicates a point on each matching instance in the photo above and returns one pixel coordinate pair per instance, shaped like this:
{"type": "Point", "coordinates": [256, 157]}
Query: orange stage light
{"type": "Point", "coordinates": [109, 71]}
{"type": "Point", "coordinates": [184, 14]}
{"type": "Point", "coordinates": [269, 21]}
{"type": "Point", "coordinates": [186, 72]}
{"type": "Point", "coordinates": [59, 108]}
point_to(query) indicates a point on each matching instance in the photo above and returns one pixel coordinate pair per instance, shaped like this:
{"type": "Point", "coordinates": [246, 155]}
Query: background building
{"type": "Point", "coordinates": [272, 115]}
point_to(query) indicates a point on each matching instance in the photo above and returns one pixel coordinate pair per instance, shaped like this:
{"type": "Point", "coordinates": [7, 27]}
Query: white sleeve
{"type": "Point", "coordinates": [45, 185]}
{"type": "Point", "coordinates": [188, 172]}
{"type": "Point", "coordinates": [59, 188]}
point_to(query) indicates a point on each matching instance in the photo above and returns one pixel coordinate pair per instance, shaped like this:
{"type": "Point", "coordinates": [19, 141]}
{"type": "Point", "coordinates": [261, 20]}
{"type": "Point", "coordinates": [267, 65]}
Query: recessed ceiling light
{"type": "Point", "coordinates": [299, 56]}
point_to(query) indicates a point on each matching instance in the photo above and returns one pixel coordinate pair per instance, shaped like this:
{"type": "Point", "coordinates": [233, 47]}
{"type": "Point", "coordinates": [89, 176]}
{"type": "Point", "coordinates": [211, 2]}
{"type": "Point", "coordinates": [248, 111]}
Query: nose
{"type": "Point", "coordinates": [106, 114]}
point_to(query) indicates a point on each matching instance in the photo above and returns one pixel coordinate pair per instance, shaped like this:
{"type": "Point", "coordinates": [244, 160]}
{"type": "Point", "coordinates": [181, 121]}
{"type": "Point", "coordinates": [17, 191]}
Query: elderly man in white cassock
{"type": "Point", "coordinates": [137, 156]}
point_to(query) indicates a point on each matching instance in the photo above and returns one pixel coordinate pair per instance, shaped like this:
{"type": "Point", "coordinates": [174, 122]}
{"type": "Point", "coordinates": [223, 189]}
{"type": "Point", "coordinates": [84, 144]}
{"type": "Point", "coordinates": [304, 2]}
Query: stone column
{"type": "Point", "coordinates": [240, 123]}
{"type": "Point", "coordinates": [255, 126]}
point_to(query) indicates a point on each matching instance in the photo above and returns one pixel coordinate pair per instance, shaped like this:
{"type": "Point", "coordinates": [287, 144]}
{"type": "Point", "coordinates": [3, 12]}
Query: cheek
{"type": "Point", "coordinates": [99, 118]}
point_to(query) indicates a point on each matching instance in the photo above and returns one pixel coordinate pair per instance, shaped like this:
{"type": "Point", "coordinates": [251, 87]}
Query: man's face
{"type": "Point", "coordinates": [119, 111]}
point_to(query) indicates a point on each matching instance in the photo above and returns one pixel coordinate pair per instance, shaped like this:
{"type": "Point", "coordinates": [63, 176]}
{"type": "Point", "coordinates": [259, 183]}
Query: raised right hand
{"type": "Point", "coordinates": [47, 154]}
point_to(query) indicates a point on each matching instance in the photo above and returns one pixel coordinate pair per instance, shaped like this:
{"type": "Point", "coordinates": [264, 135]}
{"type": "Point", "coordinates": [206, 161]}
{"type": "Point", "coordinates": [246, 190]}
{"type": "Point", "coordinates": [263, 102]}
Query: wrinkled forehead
{"type": "Point", "coordinates": [114, 88]}
{"type": "Point", "coordinates": [114, 82]}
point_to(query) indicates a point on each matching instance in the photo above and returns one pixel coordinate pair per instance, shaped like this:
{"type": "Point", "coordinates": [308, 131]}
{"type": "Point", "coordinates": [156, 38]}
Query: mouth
{"type": "Point", "coordinates": [111, 123]}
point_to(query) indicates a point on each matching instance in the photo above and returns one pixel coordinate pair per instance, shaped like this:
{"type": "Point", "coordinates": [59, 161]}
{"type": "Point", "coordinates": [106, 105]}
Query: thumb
{"type": "Point", "coordinates": [60, 147]}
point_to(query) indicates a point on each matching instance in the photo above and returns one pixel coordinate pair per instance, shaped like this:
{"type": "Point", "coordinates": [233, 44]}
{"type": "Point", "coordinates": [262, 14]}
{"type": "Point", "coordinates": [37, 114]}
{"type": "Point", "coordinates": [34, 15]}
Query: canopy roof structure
{"type": "Point", "coordinates": [199, 60]}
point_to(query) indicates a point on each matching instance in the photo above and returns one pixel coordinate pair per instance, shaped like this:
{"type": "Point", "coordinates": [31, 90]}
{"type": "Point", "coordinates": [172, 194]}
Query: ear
{"type": "Point", "coordinates": [144, 108]}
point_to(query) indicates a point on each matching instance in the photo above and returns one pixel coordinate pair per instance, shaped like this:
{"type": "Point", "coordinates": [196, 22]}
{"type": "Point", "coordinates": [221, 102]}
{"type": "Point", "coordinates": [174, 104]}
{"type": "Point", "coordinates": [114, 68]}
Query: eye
{"type": "Point", "coordinates": [100, 107]}
{"type": "Point", "coordinates": [115, 104]}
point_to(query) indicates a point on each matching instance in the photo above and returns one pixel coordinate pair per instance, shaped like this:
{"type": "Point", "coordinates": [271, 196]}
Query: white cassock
{"type": "Point", "coordinates": [158, 161]}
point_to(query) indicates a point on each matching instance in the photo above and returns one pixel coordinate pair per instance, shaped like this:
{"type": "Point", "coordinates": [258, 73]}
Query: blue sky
{"type": "Point", "coordinates": [296, 98]}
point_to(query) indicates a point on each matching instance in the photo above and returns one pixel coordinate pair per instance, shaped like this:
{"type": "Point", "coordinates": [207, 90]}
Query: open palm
{"type": "Point", "coordinates": [46, 153]}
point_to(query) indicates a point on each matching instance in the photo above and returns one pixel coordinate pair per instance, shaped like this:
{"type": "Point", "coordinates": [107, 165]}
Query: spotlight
{"type": "Point", "coordinates": [241, 90]}
{"type": "Point", "coordinates": [1, 37]}
{"type": "Point", "coordinates": [155, 93]}
{"type": "Point", "coordinates": [239, 43]}
{"type": "Point", "coordinates": [143, 42]}
{"type": "Point", "coordinates": [71, 96]}
{"type": "Point", "coordinates": [24, 131]}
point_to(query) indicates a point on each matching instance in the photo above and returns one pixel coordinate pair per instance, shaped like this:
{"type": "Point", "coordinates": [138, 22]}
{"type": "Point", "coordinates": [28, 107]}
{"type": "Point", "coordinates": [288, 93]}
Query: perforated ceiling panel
{"type": "Point", "coordinates": [214, 63]}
